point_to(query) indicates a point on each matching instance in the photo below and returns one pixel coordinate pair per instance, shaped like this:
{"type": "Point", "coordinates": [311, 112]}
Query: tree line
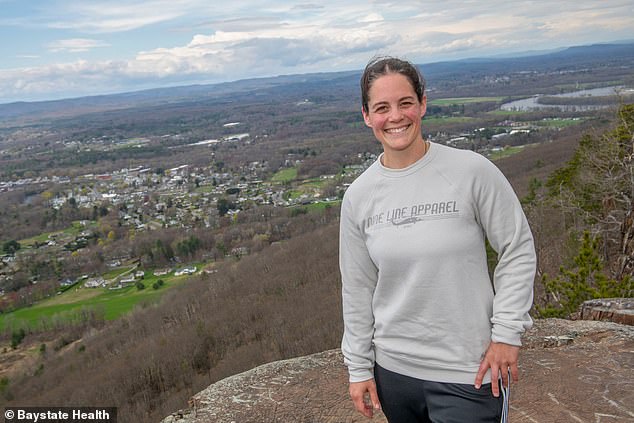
{"type": "Point", "coordinates": [281, 302]}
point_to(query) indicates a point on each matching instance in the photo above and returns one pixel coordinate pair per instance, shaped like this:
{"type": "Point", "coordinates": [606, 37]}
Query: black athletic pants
{"type": "Point", "coordinates": [409, 400]}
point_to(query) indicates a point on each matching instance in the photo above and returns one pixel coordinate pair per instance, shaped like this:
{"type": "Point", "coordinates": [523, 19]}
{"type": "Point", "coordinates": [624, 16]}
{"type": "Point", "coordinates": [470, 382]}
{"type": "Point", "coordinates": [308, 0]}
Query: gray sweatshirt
{"type": "Point", "coordinates": [417, 297]}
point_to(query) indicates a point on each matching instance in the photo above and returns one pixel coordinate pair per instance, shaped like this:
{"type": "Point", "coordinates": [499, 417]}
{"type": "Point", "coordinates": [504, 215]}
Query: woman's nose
{"type": "Point", "coordinates": [395, 114]}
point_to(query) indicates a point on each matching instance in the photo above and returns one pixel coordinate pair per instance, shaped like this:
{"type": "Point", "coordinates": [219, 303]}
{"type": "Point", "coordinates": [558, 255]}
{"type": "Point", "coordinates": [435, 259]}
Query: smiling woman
{"type": "Point", "coordinates": [423, 327]}
{"type": "Point", "coordinates": [394, 102]}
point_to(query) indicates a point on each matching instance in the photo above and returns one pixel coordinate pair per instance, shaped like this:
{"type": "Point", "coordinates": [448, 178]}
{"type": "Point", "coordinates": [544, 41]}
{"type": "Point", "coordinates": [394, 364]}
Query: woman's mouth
{"type": "Point", "coordinates": [397, 130]}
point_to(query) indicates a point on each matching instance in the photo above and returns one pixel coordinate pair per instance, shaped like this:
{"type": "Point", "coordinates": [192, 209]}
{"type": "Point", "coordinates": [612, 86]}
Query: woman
{"type": "Point", "coordinates": [424, 326]}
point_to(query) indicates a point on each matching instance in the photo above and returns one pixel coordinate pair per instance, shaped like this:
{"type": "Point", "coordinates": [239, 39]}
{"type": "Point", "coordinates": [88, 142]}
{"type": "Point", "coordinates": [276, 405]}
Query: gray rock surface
{"type": "Point", "coordinates": [618, 310]}
{"type": "Point", "coordinates": [571, 371]}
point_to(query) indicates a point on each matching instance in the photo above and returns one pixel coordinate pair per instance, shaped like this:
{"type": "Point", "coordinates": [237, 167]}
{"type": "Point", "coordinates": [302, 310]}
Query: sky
{"type": "Point", "coordinates": [52, 49]}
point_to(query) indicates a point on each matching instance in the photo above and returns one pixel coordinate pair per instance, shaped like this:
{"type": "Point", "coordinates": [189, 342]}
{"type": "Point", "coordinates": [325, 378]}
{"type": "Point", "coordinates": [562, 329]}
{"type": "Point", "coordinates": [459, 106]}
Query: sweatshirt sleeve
{"type": "Point", "coordinates": [501, 216]}
{"type": "Point", "coordinates": [359, 277]}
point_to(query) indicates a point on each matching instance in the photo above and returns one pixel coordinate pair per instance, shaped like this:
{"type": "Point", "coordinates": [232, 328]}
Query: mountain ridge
{"type": "Point", "coordinates": [571, 57]}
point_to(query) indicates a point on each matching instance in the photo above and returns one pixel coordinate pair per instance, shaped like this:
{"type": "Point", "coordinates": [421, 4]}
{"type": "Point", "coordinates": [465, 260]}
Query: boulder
{"type": "Point", "coordinates": [618, 310]}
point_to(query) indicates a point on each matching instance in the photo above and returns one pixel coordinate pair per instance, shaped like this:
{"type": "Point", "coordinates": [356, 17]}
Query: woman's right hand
{"type": "Point", "coordinates": [364, 397]}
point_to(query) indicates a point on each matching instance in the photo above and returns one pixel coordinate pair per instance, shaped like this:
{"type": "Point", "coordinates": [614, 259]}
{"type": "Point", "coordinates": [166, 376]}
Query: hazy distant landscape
{"type": "Point", "coordinates": [156, 241]}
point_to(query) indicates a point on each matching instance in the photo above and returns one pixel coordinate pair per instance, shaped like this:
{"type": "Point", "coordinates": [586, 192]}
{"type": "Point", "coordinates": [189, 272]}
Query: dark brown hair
{"type": "Point", "coordinates": [384, 65]}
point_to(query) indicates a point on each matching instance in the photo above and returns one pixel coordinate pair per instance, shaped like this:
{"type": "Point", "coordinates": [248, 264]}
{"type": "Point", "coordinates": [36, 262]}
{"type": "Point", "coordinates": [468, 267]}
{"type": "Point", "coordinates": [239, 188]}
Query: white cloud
{"type": "Point", "coordinates": [372, 17]}
{"type": "Point", "coordinates": [111, 16]}
{"type": "Point", "coordinates": [248, 39]}
{"type": "Point", "coordinates": [75, 45]}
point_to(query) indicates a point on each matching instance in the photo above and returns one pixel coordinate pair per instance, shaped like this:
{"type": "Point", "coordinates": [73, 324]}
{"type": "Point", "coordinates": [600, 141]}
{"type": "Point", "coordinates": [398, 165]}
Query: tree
{"type": "Point", "coordinates": [224, 206]}
{"type": "Point", "coordinates": [582, 281]}
{"type": "Point", "coordinates": [188, 246]}
{"type": "Point", "coordinates": [10, 247]}
{"type": "Point", "coordinates": [16, 337]}
{"type": "Point", "coordinates": [596, 191]}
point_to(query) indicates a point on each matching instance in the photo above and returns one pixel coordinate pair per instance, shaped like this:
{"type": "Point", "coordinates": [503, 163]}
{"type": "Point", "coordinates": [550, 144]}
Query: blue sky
{"type": "Point", "coordinates": [68, 48]}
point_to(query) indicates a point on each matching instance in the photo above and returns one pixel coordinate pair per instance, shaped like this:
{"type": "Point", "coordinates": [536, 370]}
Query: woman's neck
{"type": "Point", "coordinates": [402, 159]}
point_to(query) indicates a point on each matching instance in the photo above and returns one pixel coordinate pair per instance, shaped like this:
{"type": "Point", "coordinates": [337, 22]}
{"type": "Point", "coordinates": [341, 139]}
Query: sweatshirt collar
{"type": "Point", "coordinates": [420, 163]}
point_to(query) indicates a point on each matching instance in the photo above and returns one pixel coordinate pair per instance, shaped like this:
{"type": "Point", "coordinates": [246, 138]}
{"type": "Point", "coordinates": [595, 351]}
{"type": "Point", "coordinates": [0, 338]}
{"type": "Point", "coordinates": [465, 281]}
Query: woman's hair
{"type": "Point", "coordinates": [384, 65]}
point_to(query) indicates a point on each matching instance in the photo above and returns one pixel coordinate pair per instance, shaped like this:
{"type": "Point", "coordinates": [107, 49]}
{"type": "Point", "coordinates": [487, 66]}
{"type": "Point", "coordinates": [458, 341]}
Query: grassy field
{"type": "Point", "coordinates": [205, 189]}
{"type": "Point", "coordinates": [507, 151]}
{"type": "Point", "coordinates": [68, 305]}
{"type": "Point", "coordinates": [322, 205]}
{"type": "Point", "coordinates": [464, 100]}
{"type": "Point", "coordinates": [557, 123]}
{"type": "Point", "coordinates": [74, 230]}
{"type": "Point", "coordinates": [452, 119]}
{"type": "Point", "coordinates": [587, 85]}
{"type": "Point", "coordinates": [317, 183]}
{"type": "Point", "coordinates": [507, 112]}
{"type": "Point", "coordinates": [116, 272]}
{"type": "Point", "coordinates": [285, 175]}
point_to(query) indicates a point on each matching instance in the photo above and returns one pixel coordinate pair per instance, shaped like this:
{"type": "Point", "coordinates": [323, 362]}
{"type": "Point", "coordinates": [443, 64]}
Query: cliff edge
{"type": "Point", "coordinates": [571, 371]}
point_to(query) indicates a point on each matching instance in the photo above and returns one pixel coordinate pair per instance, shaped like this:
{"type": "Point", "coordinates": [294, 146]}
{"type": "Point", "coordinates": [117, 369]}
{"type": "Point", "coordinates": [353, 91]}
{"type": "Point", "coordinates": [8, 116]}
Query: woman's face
{"type": "Point", "coordinates": [394, 114]}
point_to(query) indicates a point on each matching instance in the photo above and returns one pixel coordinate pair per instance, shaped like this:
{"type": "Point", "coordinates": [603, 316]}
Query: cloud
{"type": "Point", "coordinates": [115, 16]}
{"type": "Point", "coordinates": [372, 17]}
{"type": "Point", "coordinates": [75, 45]}
{"type": "Point", "coordinates": [266, 51]}
{"type": "Point", "coordinates": [308, 6]}
{"type": "Point", "coordinates": [248, 39]}
{"type": "Point", "coordinates": [248, 23]}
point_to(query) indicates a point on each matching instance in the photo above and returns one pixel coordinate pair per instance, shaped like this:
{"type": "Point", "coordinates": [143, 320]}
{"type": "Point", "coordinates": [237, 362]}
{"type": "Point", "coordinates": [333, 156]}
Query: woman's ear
{"type": "Point", "coordinates": [366, 117]}
{"type": "Point", "coordinates": [423, 106]}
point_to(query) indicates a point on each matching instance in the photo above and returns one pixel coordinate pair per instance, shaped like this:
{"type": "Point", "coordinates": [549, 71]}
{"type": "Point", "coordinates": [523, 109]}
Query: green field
{"type": "Point", "coordinates": [507, 112]}
{"type": "Point", "coordinates": [285, 175]}
{"type": "Point", "coordinates": [322, 205]}
{"type": "Point", "coordinates": [586, 86]}
{"type": "Point", "coordinates": [557, 123]}
{"type": "Point", "coordinates": [69, 305]}
{"type": "Point", "coordinates": [452, 119]}
{"type": "Point", "coordinates": [74, 230]}
{"type": "Point", "coordinates": [506, 152]}
{"type": "Point", "coordinates": [316, 183]}
{"type": "Point", "coordinates": [464, 100]}
{"type": "Point", "coordinates": [116, 272]}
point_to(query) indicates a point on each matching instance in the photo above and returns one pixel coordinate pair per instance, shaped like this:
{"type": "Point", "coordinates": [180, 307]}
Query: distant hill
{"type": "Point", "coordinates": [342, 83]}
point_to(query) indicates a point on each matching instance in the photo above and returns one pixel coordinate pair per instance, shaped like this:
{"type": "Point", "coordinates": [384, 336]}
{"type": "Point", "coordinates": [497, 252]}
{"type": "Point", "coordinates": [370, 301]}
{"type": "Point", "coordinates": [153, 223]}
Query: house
{"type": "Point", "coordinates": [67, 282]}
{"type": "Point", "coordinates": [239, 251]}
{"type": "Point", "coordinates": [189, 270]}
{"type": "Point", "coordinates": [161, 272]}
{"type": "Point", "coordinates": [127, 279]}
{"type": "Point", "coordinates": [95, 282]}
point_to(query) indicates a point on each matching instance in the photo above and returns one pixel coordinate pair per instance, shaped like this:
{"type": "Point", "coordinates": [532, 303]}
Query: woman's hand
{"type": "Point", "coordinates": [364, 397]}
{"type": "Point", "coordinates": [499, 358]}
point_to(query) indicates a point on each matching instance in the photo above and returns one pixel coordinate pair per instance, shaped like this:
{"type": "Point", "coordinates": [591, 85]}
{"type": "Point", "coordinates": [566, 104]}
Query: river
{"type": "Point", "coordinates": [532, 103]}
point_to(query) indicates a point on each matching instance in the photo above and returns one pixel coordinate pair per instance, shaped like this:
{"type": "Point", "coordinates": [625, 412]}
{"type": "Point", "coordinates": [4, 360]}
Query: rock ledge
{"type": "Point", "coordinates": [571, 371]}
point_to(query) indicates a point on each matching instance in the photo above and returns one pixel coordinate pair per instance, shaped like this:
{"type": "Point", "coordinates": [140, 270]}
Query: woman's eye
{"type": "Point", "coordinates": [381, 109]}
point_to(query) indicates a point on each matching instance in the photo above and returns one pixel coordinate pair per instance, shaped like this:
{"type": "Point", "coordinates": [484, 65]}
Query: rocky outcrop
{"type": "Point", "coordinates": [618, 310]}
{"type": "Point", "coordinates": [571, 371]}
